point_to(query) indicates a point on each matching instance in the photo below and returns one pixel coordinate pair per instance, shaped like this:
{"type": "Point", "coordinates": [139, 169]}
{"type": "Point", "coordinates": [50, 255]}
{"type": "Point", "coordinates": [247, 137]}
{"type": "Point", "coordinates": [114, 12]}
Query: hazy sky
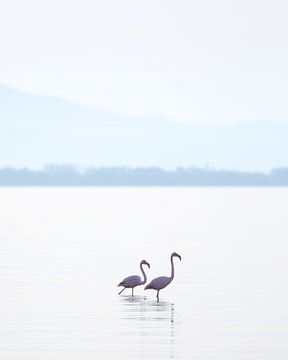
{"type": "Point", "coordinates": [201, 61]}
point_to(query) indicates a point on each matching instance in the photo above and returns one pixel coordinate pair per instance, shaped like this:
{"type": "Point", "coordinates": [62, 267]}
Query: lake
{"type": "Point", "coordinates": [64, 250]}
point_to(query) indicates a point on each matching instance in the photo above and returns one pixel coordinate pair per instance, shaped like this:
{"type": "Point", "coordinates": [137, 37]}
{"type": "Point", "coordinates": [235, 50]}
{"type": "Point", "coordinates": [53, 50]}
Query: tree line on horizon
{"type": "Point", "coordinates": [66, 175]}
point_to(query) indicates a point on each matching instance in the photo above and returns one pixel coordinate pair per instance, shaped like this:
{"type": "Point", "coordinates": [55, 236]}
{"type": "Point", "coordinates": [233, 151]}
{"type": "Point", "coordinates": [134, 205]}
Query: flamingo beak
{"type": "Point", "coordinates": [148, 264]}
{"type": "Point", "coordinates": [179, 257]}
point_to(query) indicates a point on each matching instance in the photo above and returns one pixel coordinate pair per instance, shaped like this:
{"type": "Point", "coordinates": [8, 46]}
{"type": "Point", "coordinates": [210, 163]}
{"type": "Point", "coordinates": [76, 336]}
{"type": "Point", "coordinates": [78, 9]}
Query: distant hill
{"type": "Point", "coordinates": [39, 130]}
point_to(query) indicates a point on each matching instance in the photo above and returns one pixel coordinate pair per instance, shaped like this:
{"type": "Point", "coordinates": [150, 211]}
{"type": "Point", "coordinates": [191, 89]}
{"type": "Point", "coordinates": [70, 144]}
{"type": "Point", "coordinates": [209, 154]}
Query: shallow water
{"type": "Point", "coordinates": [63, 251]}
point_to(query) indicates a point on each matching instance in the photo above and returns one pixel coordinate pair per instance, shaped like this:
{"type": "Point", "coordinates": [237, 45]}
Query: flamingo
{"type": "Point", "coordinates": [134, 280]}
{"type": "Point", "coordinates": [161, 282]}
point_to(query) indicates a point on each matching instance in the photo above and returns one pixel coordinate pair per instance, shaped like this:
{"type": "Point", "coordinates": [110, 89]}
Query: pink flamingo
{"type": "Point", "coordinates": [161, 282]}
{"type": "Point", "coordinates": [134, 280]}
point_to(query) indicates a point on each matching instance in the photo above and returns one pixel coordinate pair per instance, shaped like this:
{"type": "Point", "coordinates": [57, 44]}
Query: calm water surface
{"type": "Point", "coordinates": [63, 251]}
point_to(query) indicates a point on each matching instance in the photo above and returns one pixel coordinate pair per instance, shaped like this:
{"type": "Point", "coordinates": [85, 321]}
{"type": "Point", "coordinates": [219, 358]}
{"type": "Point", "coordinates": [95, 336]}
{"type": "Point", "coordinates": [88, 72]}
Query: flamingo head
{"type": "Point", "coordinates": [144, 262]}
{"type": "Point", "coordinates": [175, 254]}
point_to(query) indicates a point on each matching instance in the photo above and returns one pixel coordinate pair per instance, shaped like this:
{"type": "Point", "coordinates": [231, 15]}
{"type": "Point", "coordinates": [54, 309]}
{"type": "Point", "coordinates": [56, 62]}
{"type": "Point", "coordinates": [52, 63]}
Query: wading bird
{"type": "Point", "coordinates": [134, 280]}
{"type": "Point", "coordinates": [161, 282]}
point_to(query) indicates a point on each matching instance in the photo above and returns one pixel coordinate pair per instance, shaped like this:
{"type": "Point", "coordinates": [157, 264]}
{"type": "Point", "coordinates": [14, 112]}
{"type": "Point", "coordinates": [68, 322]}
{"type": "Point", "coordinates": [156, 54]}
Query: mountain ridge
{"type": "Point", "coordinates": [37, 130]}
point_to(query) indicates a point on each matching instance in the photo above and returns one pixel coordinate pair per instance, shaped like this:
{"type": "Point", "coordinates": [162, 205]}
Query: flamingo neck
{"type": "Point", "coordinates": [144, 275]}
{"type": "Point", "coordinates": [172, 268]}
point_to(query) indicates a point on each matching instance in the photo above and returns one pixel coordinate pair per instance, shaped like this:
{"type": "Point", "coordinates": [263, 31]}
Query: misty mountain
{"type": "Point", "coordinates": [38, 130]}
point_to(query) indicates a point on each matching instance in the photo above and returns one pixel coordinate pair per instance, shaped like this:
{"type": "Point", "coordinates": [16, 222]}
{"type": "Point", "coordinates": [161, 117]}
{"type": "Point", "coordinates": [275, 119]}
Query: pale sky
{"type": "Point", "coordinates": [203, 61]}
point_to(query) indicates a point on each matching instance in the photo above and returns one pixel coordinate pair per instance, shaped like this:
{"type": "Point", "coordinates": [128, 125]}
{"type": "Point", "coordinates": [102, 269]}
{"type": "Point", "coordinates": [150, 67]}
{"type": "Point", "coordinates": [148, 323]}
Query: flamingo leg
{"type": "Point", "coordinates": [132, 291]}
{"type": "Point", "coordinates": [121, 291]}
{"type": "Point", "coordinates": [157, 295]}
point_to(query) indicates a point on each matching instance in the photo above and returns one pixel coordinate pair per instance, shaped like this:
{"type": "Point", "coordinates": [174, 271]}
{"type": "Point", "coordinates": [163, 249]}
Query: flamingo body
{"type": "Point", "coordinates": [158, 283]}
{"type": "Point", "coordinates": [161, 282]}
{"type": "Point", "coordinates": [132, 281]}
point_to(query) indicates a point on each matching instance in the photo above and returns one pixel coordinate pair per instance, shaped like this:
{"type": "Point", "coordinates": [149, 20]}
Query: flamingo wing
{"type": "Point", "coordinates": [158, 283]}
{"type": "Point", "coordinates": [130, 281]}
